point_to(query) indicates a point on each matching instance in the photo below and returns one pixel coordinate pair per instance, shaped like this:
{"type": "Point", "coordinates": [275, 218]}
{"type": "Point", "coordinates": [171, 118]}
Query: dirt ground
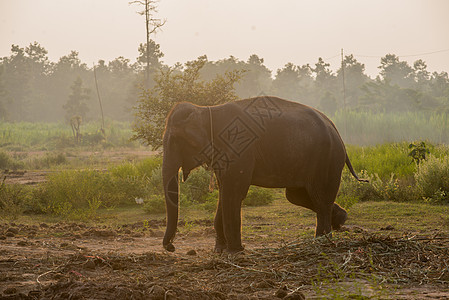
{"type": "Point", "coordinates": [79, 261]}
{"type": "Point", "coordinates": [32, 177]}
{"type": "Point", "coordinates": [84, 261]}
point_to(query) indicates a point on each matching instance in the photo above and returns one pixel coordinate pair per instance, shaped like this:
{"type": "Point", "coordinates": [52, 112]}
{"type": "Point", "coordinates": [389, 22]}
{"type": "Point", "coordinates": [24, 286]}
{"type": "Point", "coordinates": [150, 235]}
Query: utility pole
{"type": "Point", "coordinates": [99, 100]}
{"type": "Point", "coordinates": [344, 91]}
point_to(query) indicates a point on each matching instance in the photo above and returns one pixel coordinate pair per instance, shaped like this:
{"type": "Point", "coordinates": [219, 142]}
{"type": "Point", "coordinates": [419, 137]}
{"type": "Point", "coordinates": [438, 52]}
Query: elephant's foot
{"type": "Point", "coordinates": [339, 217]}
{"type": "Point", "coordinates": [222, 248]}
{"type": "Point", "coordinates": [234, 250]}
{"type": "Point", "coordinates": [219, 248]}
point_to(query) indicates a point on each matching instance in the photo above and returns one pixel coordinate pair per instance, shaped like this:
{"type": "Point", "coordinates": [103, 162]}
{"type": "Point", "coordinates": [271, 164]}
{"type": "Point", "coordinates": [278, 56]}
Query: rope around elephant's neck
{"type": "Point", "coordinates": [212, 181]}
{"type": "Point", "coordinates": [211, 138]}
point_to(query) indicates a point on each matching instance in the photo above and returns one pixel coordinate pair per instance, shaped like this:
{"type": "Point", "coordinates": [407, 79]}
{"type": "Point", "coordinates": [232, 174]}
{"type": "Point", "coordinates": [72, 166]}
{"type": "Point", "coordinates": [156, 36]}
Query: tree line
{"type": "Point", "coordinates": [32, 88]}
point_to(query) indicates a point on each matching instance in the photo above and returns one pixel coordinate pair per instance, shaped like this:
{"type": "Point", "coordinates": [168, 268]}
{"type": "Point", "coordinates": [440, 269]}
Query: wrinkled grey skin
{"type": "Point", "coordinates": [264, 141]}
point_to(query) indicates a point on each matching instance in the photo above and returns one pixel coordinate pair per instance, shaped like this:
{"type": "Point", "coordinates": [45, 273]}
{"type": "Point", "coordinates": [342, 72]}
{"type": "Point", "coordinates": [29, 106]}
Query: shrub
{"type": "Point", "coordinates": [346, 201]}
{"type": "Point", "coordinates": [351, 188]}
{"type": "Point", "coordinates": [155, 182]}
{"type": "Point", "coordinates": [71, 190]}
{"type": "Point", "coordinates": [12, 199]}
{"type": "Point", "coordinates": [432, 179]}
{"type": "Point", "coordinates": [147, 166]}
{"type": "Point", "coordinates": [258, 196]}
{"type": "Point", "coordinates": [196, 188]}
{"type": "Point", "coordinates": [155, 205]}
{"type": "Point", "coordinates": [418, 152]}
{"type": "Point", "coordinates": [383, 159]}
{"type": "Point", "coordinates": [124, 170]}
{"type": "Point", "coordinates": [6, 162]}
{"type": "Point", "coordinates": [48, 160]}
{"type": "Point", "coordinates": [210, 204]}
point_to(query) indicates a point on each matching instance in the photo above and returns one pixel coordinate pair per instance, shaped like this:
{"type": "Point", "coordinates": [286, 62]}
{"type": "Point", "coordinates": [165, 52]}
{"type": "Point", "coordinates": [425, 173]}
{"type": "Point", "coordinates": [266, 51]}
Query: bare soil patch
{"type": "Point", "coordinates": [32, 177]}
{"type": "Point", "coordinates": [79, 261]}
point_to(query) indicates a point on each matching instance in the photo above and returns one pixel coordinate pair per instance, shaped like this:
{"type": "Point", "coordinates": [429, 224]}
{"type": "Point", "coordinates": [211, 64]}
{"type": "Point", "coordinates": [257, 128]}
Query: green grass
{"type": "Point", "coordinates": [389, 158]}
{"type": "Point", "coordinates": [403, 217]}
{"type": "Point", "coordinates": [383, 159]}
{"type": "Point", "coordinates": [283, 221]}
{"type": "Point", "coordinates": [25, 136]}
{"type": "Point", "coordinates": [369, 128]}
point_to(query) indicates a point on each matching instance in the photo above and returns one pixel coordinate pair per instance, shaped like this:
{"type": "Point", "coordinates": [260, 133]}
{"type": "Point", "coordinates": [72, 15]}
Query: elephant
{"type": "Point", "coordinates": [264, 141]}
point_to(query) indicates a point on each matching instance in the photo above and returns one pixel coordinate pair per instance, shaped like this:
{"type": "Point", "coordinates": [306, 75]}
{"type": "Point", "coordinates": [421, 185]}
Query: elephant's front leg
{"type": "Point", "coordinates": [231, 197]}
{"type": "Point", "coordinates": [220, 242]}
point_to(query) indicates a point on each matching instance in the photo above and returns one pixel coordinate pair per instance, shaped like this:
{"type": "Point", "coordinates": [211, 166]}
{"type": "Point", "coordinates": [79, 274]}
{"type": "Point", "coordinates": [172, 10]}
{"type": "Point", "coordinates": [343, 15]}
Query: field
{"type": "Point", "coordinates": [387, 250]}
{"type": "Point", "coordinates": [99, 243]}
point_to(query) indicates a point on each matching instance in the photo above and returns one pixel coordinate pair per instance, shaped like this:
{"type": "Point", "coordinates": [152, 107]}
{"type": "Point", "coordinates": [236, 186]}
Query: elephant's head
{"type": "Point", "coordinates": [185, 136]}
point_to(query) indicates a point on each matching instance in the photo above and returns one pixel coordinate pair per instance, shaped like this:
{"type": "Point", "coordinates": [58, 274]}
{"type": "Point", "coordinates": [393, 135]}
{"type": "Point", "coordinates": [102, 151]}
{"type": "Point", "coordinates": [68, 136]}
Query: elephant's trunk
{"type": "Point", "coordinates": [170, 169]}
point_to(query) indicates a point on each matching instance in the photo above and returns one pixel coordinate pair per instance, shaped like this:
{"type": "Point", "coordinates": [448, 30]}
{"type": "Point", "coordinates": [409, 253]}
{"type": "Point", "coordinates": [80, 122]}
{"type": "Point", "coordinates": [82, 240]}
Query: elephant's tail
{"type": "Point", "coordinates": [351, 169]}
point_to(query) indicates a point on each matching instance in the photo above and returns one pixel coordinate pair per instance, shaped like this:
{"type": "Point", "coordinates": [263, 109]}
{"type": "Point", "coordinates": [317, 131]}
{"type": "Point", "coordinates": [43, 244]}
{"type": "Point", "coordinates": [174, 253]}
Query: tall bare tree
{"type": "Point", "coordinates": [151, 25]}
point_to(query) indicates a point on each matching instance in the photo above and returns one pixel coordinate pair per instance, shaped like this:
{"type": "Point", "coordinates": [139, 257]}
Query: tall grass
{"type": "Point", "coordinates": [53, 136]}
{"type": "Point", "coordinates": [356, 128]}
{"type": "Point", "coordinates": [368, 128]}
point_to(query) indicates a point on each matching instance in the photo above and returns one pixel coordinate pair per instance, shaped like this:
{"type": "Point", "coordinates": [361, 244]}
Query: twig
{"type": "Point", "coordinates": [43, 274]}
{"type": "Point", "coordinates": [245, 268]}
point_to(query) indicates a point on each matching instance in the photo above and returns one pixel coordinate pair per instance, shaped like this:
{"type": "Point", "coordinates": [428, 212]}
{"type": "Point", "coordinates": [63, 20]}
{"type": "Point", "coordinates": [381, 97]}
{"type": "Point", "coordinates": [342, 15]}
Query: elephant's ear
{"type": "Point", "coordinates": [190, 131]}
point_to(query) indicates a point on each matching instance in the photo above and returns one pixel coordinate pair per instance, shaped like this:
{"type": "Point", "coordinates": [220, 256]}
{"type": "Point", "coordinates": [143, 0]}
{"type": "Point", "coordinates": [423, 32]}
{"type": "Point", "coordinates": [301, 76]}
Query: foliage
{"type": "Point", "coordinates": [174, 86]}
{"type": "Point", "coordinates": [258, 196]}
{"type": "Point", "coordinates": [22, 136]}
{"type": "Point", "coordinates": [370, 128]}
{"type": "Point", "coordinates": [384, 159]}
{"type": "Point", "coordinates": [411, 182]}
{"type": "Point", "coordinates": [196, 188]}
{"type": "Point", "coordinates": [13, 199]}
{"type": "Point", "coordinates": [155, 205]}
{"type": "Point", "coordinates": [73, 191]}
{"type": "Point", "coordinates": [31, 86]}
{"type": "Point", "coordinates": [418, 152]}
{"type": "Point", "coordinates": [76, 105]}
{"type": "Point", "coordinates": [81, 193]}
{"type": "Point", "coordinates": [432, 179]}
{"type": "Point", "coordinates": [7, 162]}
{"type": "Point", "coordinates": [210, 204]}
{"type": "Point", "coordinates": [352, 191]}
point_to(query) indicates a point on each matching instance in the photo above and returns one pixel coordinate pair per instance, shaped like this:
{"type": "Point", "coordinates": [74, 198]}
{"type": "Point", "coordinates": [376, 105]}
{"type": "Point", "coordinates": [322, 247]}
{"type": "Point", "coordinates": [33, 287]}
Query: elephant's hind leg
{"type": "Point", "coordinates": [322, 204]}
{"type": "Point", "coordinates": [300, 197]}
{"type": "Point", "coordinates": [339, 217]}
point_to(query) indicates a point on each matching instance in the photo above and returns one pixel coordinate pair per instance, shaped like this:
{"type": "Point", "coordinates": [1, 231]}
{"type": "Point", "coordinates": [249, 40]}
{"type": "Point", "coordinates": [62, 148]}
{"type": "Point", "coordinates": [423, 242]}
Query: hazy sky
{"type": "Point", "coordinates": [279, 31]}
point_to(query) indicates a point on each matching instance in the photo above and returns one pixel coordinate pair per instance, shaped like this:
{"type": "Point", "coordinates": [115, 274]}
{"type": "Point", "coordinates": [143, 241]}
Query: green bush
{"type": "Point", "coordinates": [13, 198]}
{"type": "Point", "coordinates": [47, 161]}
{"type": "Point", "coordinates": [383, 159]}
{"type": "Point", "coordinates": [351, 188]}
{"type": "Point", "coordinates": [210, 204]}
{"type": "Point", "coordinates": [148, 166]}
{"type": "Point", "coordinates": [377, 189]}
{"type": "Point", "coordinates": [196, 188]}
{"type": "Point", "coordinates": [432, 179]}
{"type": "Point", "coordinates": [82, 192]}
{"type": "Point", "coordinates": [155, 205]}
{"type": "Point", "coordinates": [71, 190]}
{"type": "Point", "coordinates": [155, 184]}
{"type": "Point", "coordinates": [258, 196]}
{"type": "Point", "coordinates": [6, 162]}
{"type": "Point", "coordinates": [346, 201]}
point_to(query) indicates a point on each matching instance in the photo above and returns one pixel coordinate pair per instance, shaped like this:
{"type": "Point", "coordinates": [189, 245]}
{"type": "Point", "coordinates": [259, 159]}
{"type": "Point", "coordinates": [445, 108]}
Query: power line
{"type": "Point", "coordinates": [408, 55]}
{"type": "Point", "coordinates": [426, 53]}
{"type": "Point", "coordinates": [332, 57]}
